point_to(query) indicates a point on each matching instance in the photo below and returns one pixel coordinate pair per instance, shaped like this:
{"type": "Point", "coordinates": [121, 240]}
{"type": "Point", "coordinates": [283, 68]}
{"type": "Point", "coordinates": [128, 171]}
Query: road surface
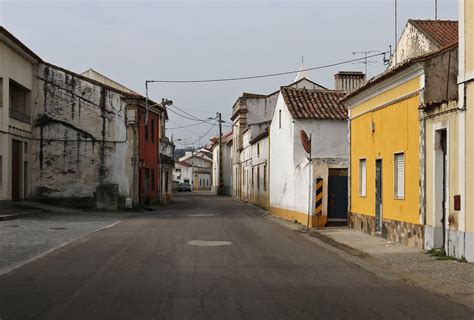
{"type": "Point", "coordinates": [207, 257]}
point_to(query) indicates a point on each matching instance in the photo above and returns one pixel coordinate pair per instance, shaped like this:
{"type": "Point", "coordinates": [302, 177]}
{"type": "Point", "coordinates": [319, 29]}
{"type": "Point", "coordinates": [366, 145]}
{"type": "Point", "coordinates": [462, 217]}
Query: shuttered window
{"type": "Point", "coordinates": [399, 166]}
{"type": "Point", "coordinates": [362, 177]}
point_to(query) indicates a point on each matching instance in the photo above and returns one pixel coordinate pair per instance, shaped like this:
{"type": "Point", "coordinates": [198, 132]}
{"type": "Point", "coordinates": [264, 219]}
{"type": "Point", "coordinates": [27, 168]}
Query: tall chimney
{"type": "Point", "coordinates": [349, 80]}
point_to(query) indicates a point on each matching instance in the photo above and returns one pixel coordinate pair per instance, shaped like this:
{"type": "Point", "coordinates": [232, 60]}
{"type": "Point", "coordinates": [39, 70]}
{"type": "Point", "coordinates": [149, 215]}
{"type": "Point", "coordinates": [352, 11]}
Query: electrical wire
{"type": "Point", "coordinates": [270, 74]}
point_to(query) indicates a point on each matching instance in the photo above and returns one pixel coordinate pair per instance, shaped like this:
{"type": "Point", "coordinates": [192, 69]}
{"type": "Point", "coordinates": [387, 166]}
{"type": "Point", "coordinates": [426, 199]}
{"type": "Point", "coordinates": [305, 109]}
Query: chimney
{"type": "Point", "coordinates": [349, 80]}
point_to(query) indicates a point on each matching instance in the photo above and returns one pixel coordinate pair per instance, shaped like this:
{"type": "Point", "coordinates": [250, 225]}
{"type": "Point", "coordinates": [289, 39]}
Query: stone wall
{"type": "Point", "coordinates": [395, 231]}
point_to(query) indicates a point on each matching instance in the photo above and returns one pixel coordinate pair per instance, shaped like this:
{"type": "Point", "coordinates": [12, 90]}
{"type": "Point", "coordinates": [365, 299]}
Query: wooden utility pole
{"type": "Point", "coordinates": [221, 179]}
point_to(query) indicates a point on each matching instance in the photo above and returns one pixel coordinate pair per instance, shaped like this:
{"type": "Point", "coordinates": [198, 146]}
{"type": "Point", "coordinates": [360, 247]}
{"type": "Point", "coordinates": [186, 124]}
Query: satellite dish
{"type": "Point", "coordinates": [305, 141]}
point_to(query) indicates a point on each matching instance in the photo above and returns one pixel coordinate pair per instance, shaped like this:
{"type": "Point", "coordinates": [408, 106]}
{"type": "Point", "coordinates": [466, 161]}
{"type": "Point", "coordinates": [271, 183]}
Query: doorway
{"type": "Point", "coordinates": [441, 187]}
{"type": "Point", "coordinates": [16, 169]}
{"type": "Point", "coordinates": [378, 195]}
{"type": "Point", "coordinates": [337, 197]}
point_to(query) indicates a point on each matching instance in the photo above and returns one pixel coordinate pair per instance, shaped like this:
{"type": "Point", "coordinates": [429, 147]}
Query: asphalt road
{"type": "Point", "coordinates": [207, 258]}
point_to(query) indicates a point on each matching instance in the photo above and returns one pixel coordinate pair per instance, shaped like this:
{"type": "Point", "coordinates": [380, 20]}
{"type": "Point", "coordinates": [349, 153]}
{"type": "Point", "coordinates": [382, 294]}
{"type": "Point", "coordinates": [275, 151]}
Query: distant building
{"type": "Point", "coordinates": [201, 168]}
{"type": "Point", "coordinates": [227, 139]}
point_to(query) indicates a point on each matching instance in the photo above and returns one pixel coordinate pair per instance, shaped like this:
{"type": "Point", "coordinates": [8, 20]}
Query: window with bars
{"type": "Point", "coordinates": [399, 178]}
{"type": "Point", "coordinates": [362, 177]}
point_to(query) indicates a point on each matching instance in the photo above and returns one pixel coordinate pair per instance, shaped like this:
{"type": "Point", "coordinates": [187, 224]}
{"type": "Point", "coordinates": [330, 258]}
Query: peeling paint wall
{"type": "Point", "coordinates": [412, 43]}
{"type": "Point", "coordinates": [82, 142]}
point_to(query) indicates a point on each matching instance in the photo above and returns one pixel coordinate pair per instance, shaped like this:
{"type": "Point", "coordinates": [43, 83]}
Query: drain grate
{"type": "Point", "coordinates": [59, 228]}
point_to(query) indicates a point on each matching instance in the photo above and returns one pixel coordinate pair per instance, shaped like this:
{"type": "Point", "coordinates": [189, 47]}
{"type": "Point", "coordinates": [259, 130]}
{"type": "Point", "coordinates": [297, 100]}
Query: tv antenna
{"type": "Point", "coordinates": [366, 61]}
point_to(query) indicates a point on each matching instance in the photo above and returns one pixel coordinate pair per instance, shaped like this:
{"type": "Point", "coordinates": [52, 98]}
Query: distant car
{"type": "Point", "coordinates": [185, 186]}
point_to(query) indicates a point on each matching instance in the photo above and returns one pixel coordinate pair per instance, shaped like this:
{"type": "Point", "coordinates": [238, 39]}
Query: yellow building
{"type": "Point", "coordinates": [466, 102]}
{"type": "Point", "coordinates": [387, 145]}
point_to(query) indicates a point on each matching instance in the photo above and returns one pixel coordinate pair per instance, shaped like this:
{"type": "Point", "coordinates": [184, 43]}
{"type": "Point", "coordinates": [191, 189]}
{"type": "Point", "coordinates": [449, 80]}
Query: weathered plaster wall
{"type": "Point", "coordinates": [412, 43]}
{"type": "Point", "coordinates": [449, 121]}
{"type": "Point", "coordinates": [259, 155]}
{"type": "Point", "coordinates": [82, 138]}
{"type": "Point", "coordinates": [441, 74]}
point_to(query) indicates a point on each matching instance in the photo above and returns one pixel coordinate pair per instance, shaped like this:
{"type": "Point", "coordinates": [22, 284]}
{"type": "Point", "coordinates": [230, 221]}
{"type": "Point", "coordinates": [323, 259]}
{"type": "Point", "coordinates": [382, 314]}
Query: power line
{"type": "Point", "coordinates": [267, 75]}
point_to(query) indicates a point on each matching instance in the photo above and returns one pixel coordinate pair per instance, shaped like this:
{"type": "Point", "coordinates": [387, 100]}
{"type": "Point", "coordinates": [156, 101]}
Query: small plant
{"type": "Point", "coordinates": [462, 259]}
{"type": "Point", "coordinates": [437, 252]}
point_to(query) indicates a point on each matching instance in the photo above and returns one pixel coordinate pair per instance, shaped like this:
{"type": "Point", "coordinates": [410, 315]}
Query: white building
{"type": "Point", "coordinates": [254, 109]}
{"type": "Point", "coordinates": [292, 177]}
{"type": "Point", "coordinates": [226, 164]}
{"type": "Point", "coordinates": [201, 168]}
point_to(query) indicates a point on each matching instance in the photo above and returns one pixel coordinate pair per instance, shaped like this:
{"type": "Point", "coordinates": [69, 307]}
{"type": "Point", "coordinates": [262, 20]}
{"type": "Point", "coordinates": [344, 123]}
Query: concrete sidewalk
{"type": "Point", "coordinates": [448, 277]}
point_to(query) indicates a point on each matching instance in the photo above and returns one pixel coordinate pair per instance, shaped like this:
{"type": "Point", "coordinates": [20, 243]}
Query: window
{"type": "Point", "coordinates": [258, 178]}
{"type": "Point", "coordinates": [279, 119]}
{"type": "Point", "coordinates": [152, 130]}
{"type": "Point", "coordinates": [25, 147]}
{"type": "Point", "coordinates": [252, 178]}
{"type": "Point", "coordinates": [258, 149]}
{"type": "Point", "coordinates": [399, 179]}
{"type": "Point", "coordinates": [152, 179]}
{"type": "Point", "coordinates": [1, 92]}
{"type": "Point", "coordinates": [167, 182]}
{"type": "Point", "coordinates": [19, 102]}
{"type": "Point", "coordinates": [362, 177]}
{"type": "Point", "coordinates": [265, 178]}
{"type": "Point", "coordinates": [147, 180]}
{"type": "Point", "coordinates": [146, 132]}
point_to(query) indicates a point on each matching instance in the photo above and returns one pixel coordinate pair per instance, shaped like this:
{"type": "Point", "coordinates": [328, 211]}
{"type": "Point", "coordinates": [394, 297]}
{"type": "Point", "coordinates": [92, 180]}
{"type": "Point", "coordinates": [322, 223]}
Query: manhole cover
{"type": "Point", "coordinates": [205, 243]}
{"type": "Point", "coordinates": [203, 215]}
{"type": "Point", "coordinates": [59, 228]}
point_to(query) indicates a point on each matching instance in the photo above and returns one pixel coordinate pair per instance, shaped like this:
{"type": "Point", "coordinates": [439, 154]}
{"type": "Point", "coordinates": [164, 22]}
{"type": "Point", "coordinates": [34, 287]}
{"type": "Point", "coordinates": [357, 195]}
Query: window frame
{"type": "Point", "coordinates": [362, 193]}
{"type": "Point", "coordinates": [395, 176]}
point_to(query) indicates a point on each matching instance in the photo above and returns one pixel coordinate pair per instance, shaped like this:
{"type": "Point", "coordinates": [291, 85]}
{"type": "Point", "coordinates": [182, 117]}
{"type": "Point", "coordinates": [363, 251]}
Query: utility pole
{"type": "Point", "coordinates": [221, 179]}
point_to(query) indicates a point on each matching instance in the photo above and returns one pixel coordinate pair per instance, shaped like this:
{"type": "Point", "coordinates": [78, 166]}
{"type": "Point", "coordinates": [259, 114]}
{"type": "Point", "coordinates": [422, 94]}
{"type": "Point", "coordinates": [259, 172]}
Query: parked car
{"type": "Point", "coordinates": [185, 186]}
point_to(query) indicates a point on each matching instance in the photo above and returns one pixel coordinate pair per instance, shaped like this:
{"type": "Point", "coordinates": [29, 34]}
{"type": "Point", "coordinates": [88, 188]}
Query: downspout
{"type": "Point", "coordinates": [268, 171]}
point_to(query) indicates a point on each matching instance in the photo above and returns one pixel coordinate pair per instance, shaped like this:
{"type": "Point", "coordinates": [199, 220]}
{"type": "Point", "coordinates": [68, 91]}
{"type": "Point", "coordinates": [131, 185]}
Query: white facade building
{"type": "Point", "coordinates": [292, 175]}
{"type": "Point", "coordinates": [226, 164]}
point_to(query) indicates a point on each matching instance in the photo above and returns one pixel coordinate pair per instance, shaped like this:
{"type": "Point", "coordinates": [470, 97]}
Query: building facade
{"type": "Point", "coordinates": [18, 88]}
{"type": "Point", "coordinates": [226, 142]}
{"type": "Point", "coordinates": [466, 102]}
{"type": "Point", "coordinates": [393, 128]}
{"type": "Point", "coordinates": [296, 177]}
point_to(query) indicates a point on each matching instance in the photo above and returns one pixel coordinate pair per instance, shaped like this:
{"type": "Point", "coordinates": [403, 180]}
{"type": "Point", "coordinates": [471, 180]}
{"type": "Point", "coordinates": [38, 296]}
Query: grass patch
{"type": "Point", "coordinates": [440, 254]}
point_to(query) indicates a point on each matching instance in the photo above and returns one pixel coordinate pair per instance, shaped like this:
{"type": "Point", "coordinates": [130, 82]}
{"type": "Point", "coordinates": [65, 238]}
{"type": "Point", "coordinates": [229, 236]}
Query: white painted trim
{"type": "Point", "coordinates": [387, 84]}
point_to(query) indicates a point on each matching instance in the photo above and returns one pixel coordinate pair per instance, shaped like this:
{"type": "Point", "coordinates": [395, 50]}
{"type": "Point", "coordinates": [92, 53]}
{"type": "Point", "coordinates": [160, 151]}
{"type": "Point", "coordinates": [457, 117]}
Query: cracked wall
{"type": "Point", "coordinates": [81, 141]}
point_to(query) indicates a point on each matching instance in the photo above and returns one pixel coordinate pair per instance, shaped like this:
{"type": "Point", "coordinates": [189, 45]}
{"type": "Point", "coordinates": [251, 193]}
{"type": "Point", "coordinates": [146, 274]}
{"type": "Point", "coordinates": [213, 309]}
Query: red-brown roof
{"type": "Point", "coordinates": [443, 32]}
{"type": "Point", "coordinates": [391, 71]}
{"type": "Point", "coordinates": [315, 104]}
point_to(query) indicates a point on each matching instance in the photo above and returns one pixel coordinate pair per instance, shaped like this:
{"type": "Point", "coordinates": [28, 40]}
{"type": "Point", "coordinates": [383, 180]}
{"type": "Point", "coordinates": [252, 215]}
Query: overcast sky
{"type": "Point", "coordinates": [131, 41]}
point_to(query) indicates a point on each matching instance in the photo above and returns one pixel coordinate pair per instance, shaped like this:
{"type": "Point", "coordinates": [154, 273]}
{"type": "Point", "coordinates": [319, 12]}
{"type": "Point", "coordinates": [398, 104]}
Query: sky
{"type": "Point", "coordinates": [134, 41]}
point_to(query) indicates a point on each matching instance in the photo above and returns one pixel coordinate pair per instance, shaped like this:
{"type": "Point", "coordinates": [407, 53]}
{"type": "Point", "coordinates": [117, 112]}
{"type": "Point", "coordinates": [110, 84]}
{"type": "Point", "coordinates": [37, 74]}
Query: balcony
{"type": "Point", "coordinates": [166, 151]}
{"type": "Point", "coordinates": [20, 116]}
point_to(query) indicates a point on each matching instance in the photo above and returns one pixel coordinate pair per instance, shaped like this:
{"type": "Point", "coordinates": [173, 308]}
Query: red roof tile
{"type": "Point", "coordinates": [315, 104]}
{"type": "Point", "coordinates": [443, 32]}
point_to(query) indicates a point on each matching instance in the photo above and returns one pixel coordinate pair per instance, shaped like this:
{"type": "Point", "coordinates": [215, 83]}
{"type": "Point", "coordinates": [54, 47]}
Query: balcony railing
{"type": "Point", "coordinates": [20, 116]}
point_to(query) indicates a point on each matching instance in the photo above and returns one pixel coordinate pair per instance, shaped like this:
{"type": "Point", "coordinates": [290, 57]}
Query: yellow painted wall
{"type": "Point", "coordinates": [397, 92]}
{"type": "Point", "coordinates": [396, 130]}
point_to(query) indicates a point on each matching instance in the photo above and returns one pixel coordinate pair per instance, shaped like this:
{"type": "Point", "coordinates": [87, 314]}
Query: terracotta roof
{"type": "Point", "coordinates": [404, 65]}
{"type": "Point", "coordinates": [315, 104]}
{"type": "Point", "coordinates": [443, 32]}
